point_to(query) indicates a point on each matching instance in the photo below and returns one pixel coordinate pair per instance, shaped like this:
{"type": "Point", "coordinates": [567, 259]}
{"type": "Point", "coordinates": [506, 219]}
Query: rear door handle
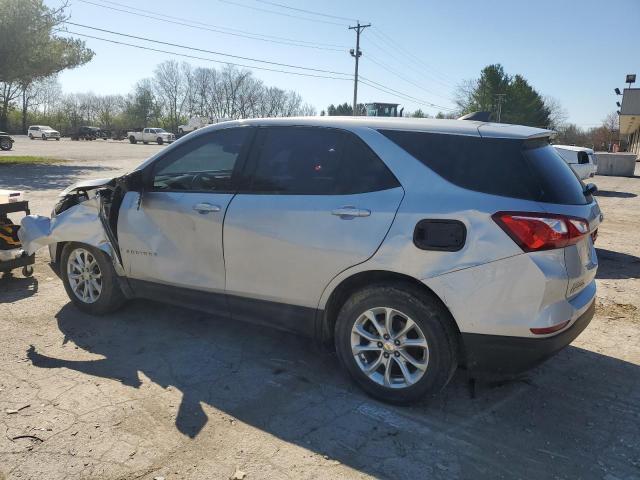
{"type": "Point", "coordinates": [206, 208]}
{"type": "Point", "coordinates": [350, 212]}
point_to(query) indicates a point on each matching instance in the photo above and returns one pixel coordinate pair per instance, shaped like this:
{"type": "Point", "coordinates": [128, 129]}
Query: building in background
{"type": "Point", "coordinates": [630, 117]}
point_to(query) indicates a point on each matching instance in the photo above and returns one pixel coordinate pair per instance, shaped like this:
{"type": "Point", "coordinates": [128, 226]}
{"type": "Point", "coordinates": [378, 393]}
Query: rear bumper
{"type": "Point", "coordinates": [512, 355]}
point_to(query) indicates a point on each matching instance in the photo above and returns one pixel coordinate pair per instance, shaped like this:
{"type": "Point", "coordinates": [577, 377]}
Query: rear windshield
{"type": "Point", "coordinates": [526, 169]}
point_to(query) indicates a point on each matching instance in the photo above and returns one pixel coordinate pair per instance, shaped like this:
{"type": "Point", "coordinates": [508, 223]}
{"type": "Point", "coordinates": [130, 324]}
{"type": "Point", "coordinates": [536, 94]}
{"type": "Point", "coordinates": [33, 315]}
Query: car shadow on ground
{"type": "Point", "coordinates": [614, 194]}
{"type": "Point", "coordinates": [576, 415]}
{"type": "Point", "coordinates": [45, 177]}
{"type": "Point", "coordinates": [617, 265]}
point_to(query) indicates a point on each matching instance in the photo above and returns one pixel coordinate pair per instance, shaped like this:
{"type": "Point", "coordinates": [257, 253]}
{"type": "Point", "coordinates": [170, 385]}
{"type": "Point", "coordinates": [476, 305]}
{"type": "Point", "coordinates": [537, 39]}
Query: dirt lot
{"type": "Point", "coordinates": [156, 391]}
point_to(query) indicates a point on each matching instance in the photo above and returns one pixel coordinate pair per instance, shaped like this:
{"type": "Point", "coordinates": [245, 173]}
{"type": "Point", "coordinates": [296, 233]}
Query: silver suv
{"type": "Point", "coordinates": [413, 246]}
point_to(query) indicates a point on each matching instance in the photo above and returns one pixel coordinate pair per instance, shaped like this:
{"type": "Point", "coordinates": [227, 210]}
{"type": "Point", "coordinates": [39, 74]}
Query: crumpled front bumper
{"type": "Point", "coordinates": [80, 223]}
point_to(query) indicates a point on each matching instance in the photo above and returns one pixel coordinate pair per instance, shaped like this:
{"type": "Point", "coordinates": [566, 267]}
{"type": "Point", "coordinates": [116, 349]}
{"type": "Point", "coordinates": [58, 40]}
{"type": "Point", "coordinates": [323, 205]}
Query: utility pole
{"type": "Point", "coordinates": [500, 98]}
{"type": "Point", "coordinates": [356, 54]}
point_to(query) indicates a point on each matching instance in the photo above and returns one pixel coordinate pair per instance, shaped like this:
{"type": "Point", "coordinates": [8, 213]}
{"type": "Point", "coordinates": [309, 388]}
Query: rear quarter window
{"type": "Point", "coordinates": [526, 169]}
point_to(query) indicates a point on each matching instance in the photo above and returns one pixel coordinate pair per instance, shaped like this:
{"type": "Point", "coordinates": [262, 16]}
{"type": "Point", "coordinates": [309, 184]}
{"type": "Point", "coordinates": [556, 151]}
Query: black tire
{"type": "Point", "coordinates": [431, 317]}
{"type": "Point", "coordinates": [180, 131]}
{"type": "Point", "coordinates": [6, 144]}
{"type": "Point", "coordinates": [57, 139]}
{"type": "Point", "coordinates": [44, 137]}
{"type": "Point", "coordinates": [110, 298]}
{"type": "Point", "coordinates": [30, 137]}
{"type": "Point", "coordinates": [160, 141]}
{"type": "Point", "coordinates": [132, 140]}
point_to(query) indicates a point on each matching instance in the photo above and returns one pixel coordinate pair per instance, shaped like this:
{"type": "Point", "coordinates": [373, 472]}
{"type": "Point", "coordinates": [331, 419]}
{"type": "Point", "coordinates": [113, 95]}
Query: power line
{"type": "Point", "coordinates": [206, 59]}
{"type": "Point", "coordinates": [409, 97]}
{"type": "Point", "coordinates": [306, 11]}
{"type": "Point", "coordinates": [392, 71]}
{"type": "Point", "coordinates": [407, 64]}
{"type": "Point", "coordinates": [216, 28]}
{"type": "Point", "coordinates": [230, 2]}
{"type": "Point", "coordinates": [206, 51]}
{"type": "Point", "coordinates": [386, 38]}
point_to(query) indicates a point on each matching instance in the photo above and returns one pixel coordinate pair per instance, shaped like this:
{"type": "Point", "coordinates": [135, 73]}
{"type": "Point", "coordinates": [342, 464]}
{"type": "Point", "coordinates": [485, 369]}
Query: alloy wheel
{"type": "Point", "coordinates": [389, 347]}
{"type": "Point", "coordinates": [84, 275]}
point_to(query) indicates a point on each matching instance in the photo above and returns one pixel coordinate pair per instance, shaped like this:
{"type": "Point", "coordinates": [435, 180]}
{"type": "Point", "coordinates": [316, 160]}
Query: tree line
{"type": "Point", "coordinates": [175, 92]}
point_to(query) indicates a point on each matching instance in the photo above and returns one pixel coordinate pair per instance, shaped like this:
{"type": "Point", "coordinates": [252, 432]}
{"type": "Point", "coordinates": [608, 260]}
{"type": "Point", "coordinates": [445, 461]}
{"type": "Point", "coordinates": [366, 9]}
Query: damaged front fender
{"type": "Point", "coordinates": [80, 223]}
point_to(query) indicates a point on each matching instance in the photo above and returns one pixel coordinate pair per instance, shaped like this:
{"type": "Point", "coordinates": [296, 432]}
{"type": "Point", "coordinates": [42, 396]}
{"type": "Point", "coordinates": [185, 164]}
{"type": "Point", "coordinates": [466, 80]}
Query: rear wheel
{"type": "Point", "coordinates": [397, 343]}
{"type": "Point", "coordinates": [89, 279]}
{"type": "Point", "coordinates": [132, 139]}
{"type": "Point", "coordinates": [5, 144]}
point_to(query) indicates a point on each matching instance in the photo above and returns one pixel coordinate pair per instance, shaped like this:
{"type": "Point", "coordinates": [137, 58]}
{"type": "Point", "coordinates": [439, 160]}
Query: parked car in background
{"type": "Point", "coordinates": [412, 245]}
{"type": "Point", "coordinates": [87, 133]}
{"type": "Point", "coordinates": [6, 141]}
{"type": "Point", "coordinates": [42, 131]}
{"type": "Point", "coordinates": [157, 135]}
{"type": "Point", "coordinates": [582, 160]}
{"type": "Point", "coordinates": [195, 123]}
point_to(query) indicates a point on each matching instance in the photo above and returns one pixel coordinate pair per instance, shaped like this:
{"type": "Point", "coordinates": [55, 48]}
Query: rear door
{"type": "Point", "coordinates": [174, 235]}
{"type": "Point", "coordinates": [318, 201]}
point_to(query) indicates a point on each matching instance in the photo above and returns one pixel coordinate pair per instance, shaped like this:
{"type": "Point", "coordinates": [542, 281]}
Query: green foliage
{"type": "Point", "coordinates": [29, 50]}
{"type": "Point", "coordinates": [27, 160]}
{"type": "Point", "coordinates": [419, 114]}
{"type": "Point", "coordinates": [521, 103]}
{"type": "Point", "coordinates": [28, 47]}
{"type": "Point", "coordinates": [345, 110]}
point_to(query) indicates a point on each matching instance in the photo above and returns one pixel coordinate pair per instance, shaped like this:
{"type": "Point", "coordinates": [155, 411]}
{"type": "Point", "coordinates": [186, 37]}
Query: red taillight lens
{"type": "Point", "coordinates": [547, 330]}
{"type": "Point", "coordinates": [541, 231]}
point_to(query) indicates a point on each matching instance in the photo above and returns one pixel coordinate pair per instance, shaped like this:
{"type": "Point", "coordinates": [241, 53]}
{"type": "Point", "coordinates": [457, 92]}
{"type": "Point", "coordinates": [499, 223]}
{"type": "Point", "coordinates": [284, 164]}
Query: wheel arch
{"type": "Point", "coordinates": [355, 282]}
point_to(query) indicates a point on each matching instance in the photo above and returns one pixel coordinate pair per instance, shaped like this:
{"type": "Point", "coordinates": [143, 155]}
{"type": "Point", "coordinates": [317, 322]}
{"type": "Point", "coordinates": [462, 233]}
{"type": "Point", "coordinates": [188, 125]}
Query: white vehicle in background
{"type": "Point", "coordinates": [42, 131]}
{"type": "Point", "coordinates": [195, 123]}
{"type": "Point", "coordinates": [157, 135]}
{"type": "Point", "coordinates": [582, 160]}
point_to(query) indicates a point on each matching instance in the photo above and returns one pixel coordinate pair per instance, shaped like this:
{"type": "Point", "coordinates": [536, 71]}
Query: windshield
{"type": "Point", "coordinates": [46, 127]}
{"type": "Point", "coordinates": [158, 130]}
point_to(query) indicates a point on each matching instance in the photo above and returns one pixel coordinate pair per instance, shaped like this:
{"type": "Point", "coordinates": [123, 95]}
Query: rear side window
{"type": "Point", "coordinates": [526, 169]}
{"type": "Point", "coordinates": [583, 158]}
{"type": "Point", "coordinates": [317, 161]}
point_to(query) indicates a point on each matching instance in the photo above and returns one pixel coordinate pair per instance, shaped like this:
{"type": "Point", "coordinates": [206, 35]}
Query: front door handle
{"type": "Point", "coordinates": [351, 212]}
{"type": "Point", "coordinates": [206, 208]}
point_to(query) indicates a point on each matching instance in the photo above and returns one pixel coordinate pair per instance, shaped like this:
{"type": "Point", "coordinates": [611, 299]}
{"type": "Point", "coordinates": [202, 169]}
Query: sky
{"type": "Point", "coordinates": [576, 51]}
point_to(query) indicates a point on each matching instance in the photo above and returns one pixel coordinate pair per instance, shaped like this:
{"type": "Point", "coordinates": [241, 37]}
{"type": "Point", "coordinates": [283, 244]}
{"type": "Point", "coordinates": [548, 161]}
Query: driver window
{"type": "Point", "coordinates": [203, 164]}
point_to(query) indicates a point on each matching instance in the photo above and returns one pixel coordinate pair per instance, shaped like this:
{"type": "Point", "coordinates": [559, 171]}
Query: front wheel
{"type": "Point", "coordinates": [57, 139]}
{"type": "Point", "coordinates": [30, 137]}
{"type": "Point", "coordinates": [44, 137]}
{"type": "Point", "coordinates": [5, 144]}
{"type": "Point", "coordinates": [396, 342]}
{"type": "Point", "coordinates": [89, 279]}
{"type": "Point", "coordinates": [160, 141]}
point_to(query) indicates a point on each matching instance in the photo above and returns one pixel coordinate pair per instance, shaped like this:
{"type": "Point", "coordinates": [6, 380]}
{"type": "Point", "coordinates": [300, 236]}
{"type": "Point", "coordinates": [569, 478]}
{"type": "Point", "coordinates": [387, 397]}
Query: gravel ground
{"type": "Point", "coordinates": [157, 391]}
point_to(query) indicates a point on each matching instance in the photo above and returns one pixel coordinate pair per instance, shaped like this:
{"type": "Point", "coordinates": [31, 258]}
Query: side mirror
{"type": "Point", "coordinates": [590, 189]}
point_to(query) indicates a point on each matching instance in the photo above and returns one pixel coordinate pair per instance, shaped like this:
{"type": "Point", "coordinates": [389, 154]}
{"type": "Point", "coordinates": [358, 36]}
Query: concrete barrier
{"type": "Point", "coordinates": [616, 164]}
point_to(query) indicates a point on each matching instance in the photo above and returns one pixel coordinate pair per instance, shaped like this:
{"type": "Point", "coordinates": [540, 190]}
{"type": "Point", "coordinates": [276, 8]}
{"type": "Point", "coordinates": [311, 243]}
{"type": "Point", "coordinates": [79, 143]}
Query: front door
{"type": "Point", "coordinates": [174, 235]}
{"type": "Point", "coordinates": [320, 201]}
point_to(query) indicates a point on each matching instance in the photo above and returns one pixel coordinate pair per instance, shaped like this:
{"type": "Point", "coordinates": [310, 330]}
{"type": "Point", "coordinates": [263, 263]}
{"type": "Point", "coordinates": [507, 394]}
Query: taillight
{"type": "Point", "coordinates": [541, 231]}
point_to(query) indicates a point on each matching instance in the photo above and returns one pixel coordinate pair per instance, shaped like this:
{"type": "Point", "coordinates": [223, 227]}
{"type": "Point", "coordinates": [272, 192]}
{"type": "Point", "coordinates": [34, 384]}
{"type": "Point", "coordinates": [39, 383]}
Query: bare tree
{"type": "Point", "coordinates": [169, 84]}
{"type": "Point", "coordinates": [558, 115]}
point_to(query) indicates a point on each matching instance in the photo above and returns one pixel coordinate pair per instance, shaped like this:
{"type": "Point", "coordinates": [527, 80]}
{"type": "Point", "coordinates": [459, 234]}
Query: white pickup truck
{"type": "Point", "coordinates": [157, 135]}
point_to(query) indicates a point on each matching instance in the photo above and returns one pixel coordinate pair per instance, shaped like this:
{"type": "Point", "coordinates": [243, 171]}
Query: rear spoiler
{"type": "Point", "coordinates": [476, 116]}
